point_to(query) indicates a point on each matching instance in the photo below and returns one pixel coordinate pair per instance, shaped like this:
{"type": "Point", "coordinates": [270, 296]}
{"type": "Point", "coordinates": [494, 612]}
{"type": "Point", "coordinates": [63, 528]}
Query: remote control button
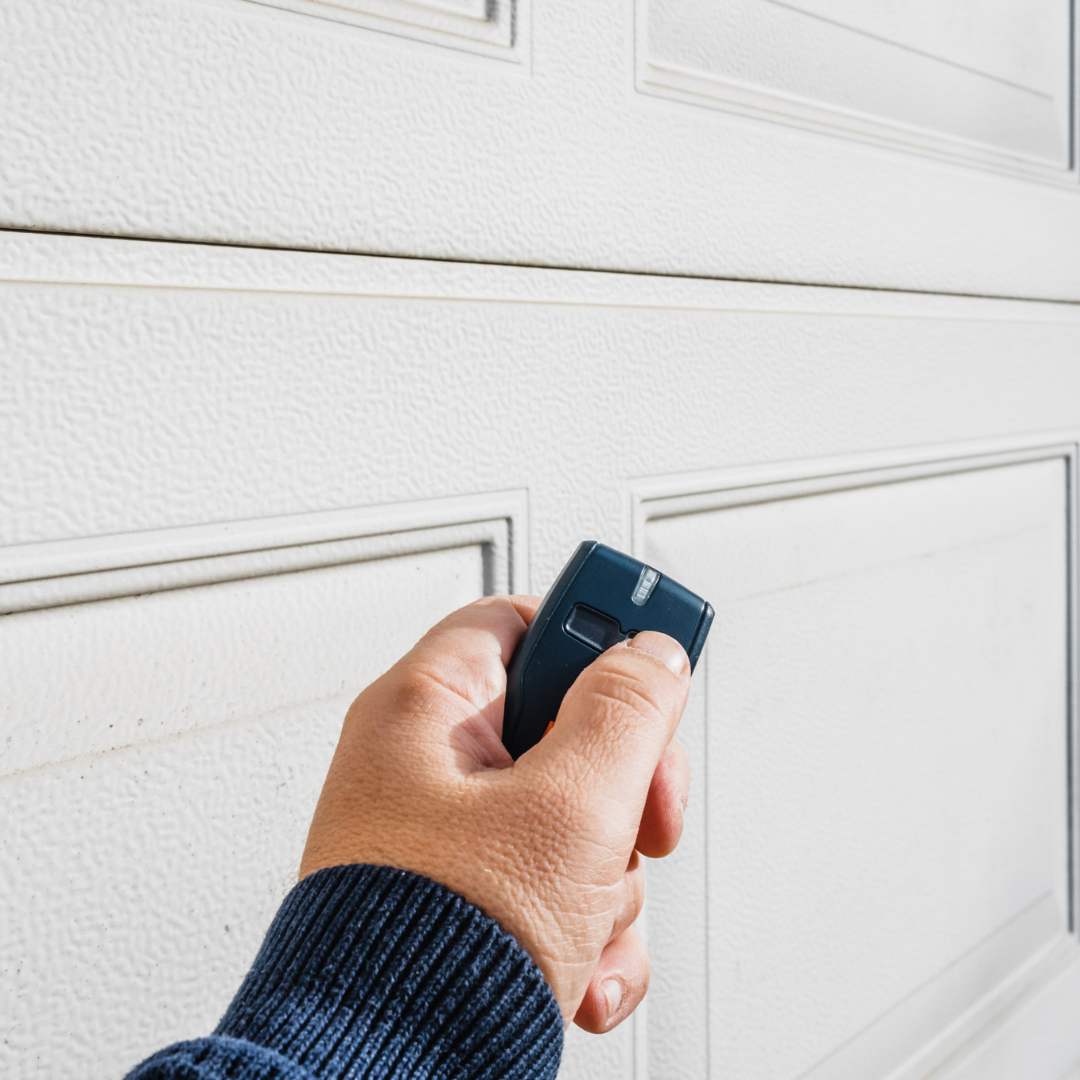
{"type": "Point", "coordinates": [593, 628]}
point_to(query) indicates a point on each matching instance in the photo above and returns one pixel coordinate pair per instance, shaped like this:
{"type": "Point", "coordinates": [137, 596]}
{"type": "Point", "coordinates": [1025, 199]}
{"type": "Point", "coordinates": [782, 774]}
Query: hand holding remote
{"type": "Point", "coordinates": [548, 846]}
{"type": "Point", "coordinates": [600, 598]}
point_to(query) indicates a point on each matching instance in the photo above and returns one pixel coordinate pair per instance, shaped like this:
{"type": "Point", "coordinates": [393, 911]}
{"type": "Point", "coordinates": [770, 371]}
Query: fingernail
{"type": "Point", "coordinates": [663, 648]}
{"type": "Point", "coordinates": [613, 997]}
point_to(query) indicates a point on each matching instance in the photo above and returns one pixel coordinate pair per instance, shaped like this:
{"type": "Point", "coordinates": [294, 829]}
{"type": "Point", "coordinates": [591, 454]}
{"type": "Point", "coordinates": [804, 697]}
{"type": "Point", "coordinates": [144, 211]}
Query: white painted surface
{"type": "Point", "coordinates": [139, 884]}
{"type": "Point", "coordinates": [1026, 1042]}
{"type": "Point", "coordinates": [203, 423]}
{"type": "Point", "coordinates": [886, 745]}
{"type": "Point", "coordinates": [162, 758]}
{"type": "Point", "coordinates": [227, 642]}
{"type": "Point", "coordinates": [486, 27]}
{"type": "Point", "coordinates": [980, 83]}
{"type": "Point", "coordinates": [1014, 43]}
{"type": "Point", "coordinates": [238, 122]}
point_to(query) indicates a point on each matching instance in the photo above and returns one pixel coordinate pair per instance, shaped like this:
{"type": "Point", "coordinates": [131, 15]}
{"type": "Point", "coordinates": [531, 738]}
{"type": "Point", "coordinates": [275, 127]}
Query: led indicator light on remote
{"type": "Point", "coordinates": [645, 585]}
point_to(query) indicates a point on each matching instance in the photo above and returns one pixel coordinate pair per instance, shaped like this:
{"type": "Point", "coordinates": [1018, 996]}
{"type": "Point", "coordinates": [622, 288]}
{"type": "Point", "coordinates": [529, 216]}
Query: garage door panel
{"type": "Point", "coordinates": [208, 470]}
{"type": "Point", "coordinates": [886, 749]}
{"type": "Point", "coordinates": [795, 150]}
{"type": "Point", "coordinates": [194, 722]}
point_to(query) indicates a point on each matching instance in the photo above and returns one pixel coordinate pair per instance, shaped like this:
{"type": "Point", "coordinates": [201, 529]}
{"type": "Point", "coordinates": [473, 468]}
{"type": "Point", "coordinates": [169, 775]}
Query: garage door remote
{"type": "Point", "coordinates": [601, 597]}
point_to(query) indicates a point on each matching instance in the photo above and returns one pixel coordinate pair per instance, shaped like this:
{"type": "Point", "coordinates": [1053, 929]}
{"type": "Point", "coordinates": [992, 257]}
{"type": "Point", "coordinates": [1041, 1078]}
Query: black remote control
{"type": "Point", "coordinates": [601, 597]}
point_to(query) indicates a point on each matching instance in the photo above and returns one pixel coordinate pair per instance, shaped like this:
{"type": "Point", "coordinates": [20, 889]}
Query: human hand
{"type": "Point", "coordinates": [547, 845]}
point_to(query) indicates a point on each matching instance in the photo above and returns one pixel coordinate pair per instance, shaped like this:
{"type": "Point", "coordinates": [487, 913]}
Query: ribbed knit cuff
{"type": "Point", "coordinates": [375, 973]}
{"type": "Point", "coordinates": [218, 1058]}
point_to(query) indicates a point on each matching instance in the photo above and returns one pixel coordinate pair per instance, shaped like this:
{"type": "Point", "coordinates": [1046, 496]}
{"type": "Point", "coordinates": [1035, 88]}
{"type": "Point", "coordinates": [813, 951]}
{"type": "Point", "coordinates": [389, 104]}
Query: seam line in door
{"type": "Point", "coordinates": [590, 269]}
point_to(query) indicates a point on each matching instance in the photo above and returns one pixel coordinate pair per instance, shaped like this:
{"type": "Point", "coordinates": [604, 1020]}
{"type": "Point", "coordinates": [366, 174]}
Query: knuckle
{"type": "Point", "coordinates": [415, 690]}
{"type": "Point", "coordinates": [497, 601]}
{"type": "Point", "coordinates": [475, 613]}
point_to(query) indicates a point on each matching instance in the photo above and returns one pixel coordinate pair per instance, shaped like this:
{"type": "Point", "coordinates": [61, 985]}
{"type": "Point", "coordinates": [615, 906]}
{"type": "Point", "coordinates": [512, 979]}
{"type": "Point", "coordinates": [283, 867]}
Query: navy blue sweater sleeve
{"type": "Point", "coordinates": [370, 973]}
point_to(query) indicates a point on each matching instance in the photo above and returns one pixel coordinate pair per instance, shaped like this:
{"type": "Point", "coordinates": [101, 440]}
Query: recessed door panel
{"type": "Point", "coordinates": [163, 754]}
{"type": "Point", "coordinates": [884, 844]}
{"type": "Point", "coordinates": [988, 84]}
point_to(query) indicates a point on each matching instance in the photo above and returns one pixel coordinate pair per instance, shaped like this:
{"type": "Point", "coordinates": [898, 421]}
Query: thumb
{"type": "Point", "coordinates": [619, 716]}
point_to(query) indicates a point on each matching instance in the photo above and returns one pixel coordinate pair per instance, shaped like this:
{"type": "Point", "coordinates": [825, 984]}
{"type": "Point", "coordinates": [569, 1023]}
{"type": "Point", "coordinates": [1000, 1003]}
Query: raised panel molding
{"type": "Point", "coordinates": [34, 576]}
{"type": "Point", "coordinates": [493, 28]}
{"type": "Point", "coordinates": [95, 600]}
{"type": "Point", "coordinates": [762, 58]}
{"type": "Point", "coordinates": [1026, 973]}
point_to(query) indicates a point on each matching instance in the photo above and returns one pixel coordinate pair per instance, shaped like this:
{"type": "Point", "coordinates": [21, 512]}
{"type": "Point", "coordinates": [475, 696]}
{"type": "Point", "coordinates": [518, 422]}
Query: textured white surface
{"type": "Point", "coordinates": [203, 389]}
{"type": "Point", "coordinates": [144, 881]}
{"type": "Point", "coordinates": [886, 754]}
{"type": "Point", "coordinates": [142, 873]}
{"type": "Point", "coordinates": [183, 388]}
{"type": "Point", "coordinates": [986, 83]}
{"type": "Point", "coordinates": [1015, 43]}
{"type": "Point", "coordinates": [231, 121]}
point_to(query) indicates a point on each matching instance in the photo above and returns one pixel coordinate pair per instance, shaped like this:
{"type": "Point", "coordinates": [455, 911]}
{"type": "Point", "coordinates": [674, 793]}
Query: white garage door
{"type": "Point", "coordinates": [318, 320]}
